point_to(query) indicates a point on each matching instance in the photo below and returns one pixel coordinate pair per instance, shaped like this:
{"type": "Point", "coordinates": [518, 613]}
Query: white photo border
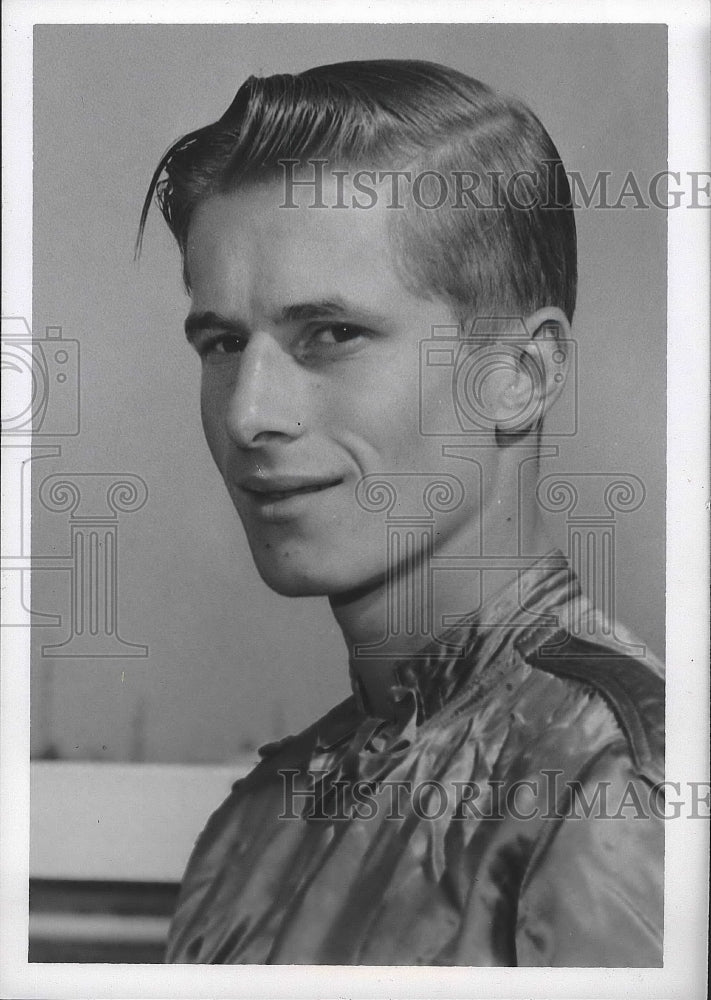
{"type": "Point", "coordinates": [683, 975]}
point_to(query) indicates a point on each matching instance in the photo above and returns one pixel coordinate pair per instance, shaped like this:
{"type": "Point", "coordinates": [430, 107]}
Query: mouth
{"type": "Point", "coordinates": [275, 490]}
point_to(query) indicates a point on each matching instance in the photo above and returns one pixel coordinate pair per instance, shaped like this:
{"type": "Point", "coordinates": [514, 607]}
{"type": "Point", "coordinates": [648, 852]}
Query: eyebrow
{"type": "Point", "coordinates": [321, 309]}
{"type": "Point", "coordinates": [195, 323]}
{"type": "Point", "coordinates": [297, 312]}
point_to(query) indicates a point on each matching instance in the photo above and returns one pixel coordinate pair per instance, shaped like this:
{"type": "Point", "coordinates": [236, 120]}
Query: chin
{"type": "Point", "coordinates": [293, 581]}
{"type": "Point", "coordinates": [292, 577]}
{"type": "Point", "coordinates": [294, 587]}
{"type": "Point", "coordinates": [317, 582]}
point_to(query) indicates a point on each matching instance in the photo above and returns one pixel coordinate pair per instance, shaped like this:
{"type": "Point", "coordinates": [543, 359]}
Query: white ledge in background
{"type": "Point", "coordinates": [119, 821]}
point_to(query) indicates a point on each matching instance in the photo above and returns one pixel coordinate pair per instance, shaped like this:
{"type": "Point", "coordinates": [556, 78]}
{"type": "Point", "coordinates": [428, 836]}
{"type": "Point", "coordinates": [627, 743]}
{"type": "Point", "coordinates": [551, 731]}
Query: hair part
{"type": "Point", "coordinates": [514, 256]}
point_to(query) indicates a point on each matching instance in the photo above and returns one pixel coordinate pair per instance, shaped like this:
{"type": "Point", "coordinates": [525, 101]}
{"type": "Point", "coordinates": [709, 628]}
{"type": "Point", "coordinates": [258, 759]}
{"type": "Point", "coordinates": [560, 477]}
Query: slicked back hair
{"type": "Point", "coordinates": [511, 254]}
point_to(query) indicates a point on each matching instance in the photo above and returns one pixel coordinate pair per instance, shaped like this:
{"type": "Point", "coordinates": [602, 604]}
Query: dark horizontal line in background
{"type": "Point", "coordinates": [99, 921]}
{"type": "Point", "coordinates": [89, 951]}
{"type": "Point", "coordinates": [75, 896]}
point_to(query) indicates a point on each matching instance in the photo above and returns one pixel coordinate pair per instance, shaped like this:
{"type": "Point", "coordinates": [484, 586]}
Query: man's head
{"type": "Point", "coordinates": [400, 115]}
{"type": "Point", "coordinates": [310, 320]}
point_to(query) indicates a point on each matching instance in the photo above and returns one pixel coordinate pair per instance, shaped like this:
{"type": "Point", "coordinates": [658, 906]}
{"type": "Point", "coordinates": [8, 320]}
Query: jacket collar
{"type": "Point", "coordinates": [524, 612]}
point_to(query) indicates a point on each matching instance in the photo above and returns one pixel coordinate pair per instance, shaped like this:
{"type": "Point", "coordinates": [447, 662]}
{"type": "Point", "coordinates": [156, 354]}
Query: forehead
{"type": "Point", "coordinates": [245, 248]}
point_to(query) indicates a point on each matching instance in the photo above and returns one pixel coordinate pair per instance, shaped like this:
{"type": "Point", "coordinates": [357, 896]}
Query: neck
{"type": "Point", "coordinates": [376, 639]}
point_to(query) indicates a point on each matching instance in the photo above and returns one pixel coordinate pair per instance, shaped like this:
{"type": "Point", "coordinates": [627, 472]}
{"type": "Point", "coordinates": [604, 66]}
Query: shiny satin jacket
{"type": "Point", "coordinates": [509, 814]}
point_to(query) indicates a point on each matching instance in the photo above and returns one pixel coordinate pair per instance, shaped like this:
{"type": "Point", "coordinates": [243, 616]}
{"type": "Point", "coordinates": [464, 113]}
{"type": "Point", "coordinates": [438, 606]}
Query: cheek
{"type": "Point", "coordinates": [397, 425]}
{"type": "Point", "coordinates": [213, 418]}
{"type": "Point", "coordinates": [381, 407]}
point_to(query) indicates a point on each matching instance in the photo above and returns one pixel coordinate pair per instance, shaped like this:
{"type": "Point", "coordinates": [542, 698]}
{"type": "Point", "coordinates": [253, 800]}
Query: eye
{"type": "Point", "coordinates": [337, 333]}
{"type": "Point", "coordinates": [330, 342]}
{"type": "Point", "coordinates": [216, 348]}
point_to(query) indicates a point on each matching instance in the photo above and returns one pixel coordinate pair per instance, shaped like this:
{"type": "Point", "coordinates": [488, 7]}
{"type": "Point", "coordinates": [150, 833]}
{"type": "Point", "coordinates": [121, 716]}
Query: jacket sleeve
{"type": "Point", "coordinates": [593, 892]}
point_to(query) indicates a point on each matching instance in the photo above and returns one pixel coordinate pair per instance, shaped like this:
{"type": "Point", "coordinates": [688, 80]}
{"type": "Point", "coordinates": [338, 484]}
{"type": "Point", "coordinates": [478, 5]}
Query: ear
{"type": "Point", "coordinates": [537, 377]}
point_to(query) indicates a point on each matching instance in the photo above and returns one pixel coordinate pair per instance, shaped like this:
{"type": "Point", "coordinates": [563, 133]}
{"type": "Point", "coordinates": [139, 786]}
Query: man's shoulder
{"type": "Point", "coordinates": [294, 754]}
{"type": "Point", "coordinates": [324, 734]}
{"type": "Point", "coordinates": [628, 680]}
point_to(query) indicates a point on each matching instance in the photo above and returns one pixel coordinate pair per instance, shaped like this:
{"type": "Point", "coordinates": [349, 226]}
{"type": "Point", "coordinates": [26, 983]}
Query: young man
{"type": "Point", "coordinates": [381, 261]}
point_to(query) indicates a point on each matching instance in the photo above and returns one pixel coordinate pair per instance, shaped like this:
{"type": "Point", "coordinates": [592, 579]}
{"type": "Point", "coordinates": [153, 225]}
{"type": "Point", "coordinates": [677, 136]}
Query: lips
{"type": "Point", "coordinates": [271, 489]}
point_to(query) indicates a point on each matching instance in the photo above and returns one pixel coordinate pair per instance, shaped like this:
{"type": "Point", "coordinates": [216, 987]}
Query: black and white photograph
{"type": "Point", "coordinates": [355, 451]}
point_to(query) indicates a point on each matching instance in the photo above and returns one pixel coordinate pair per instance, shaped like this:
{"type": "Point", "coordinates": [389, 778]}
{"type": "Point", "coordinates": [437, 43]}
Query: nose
{"type": "Point", "coordinates": [267, 395]}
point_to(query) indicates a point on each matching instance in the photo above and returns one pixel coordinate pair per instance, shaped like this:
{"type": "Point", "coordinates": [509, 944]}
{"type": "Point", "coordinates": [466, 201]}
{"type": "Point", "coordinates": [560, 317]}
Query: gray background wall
{"type": "Point", "coordinates": [230, 663]}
